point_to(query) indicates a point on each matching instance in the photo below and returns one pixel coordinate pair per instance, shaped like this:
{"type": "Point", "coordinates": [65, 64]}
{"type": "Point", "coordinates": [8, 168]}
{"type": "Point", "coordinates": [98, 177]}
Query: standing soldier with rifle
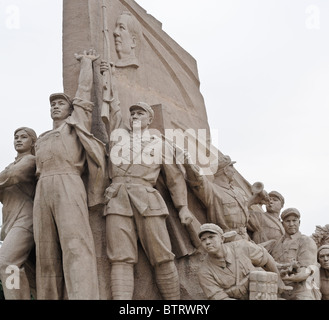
{"type": "Point", "coordinates": [135, 209]}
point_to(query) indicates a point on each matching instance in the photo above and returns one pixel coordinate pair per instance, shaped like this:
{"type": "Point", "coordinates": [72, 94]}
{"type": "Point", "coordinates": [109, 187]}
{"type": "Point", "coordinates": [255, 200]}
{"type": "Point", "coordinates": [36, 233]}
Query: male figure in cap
{"type": "Point", "coordinates": [65, 252]}
{"type": "Point", "coordinates": [224, 273]}
{"type": "Point", "coordinates": [296, 255]}
{"type": "Point", "coordinates": [135, 209]}
{"type": "Point", "coordinates": [226, 204]}
{"type": "Point", "coordinates": [265, 226]}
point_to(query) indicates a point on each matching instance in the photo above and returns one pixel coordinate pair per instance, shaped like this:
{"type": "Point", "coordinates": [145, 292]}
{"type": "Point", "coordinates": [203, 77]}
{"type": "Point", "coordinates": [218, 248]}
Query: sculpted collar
{"type": "Point", "coordinates": [225, 185]}
{"type": "Point", "coordinates": [293, 237]}
{"type": "Point", "coordinates": [223, 262]}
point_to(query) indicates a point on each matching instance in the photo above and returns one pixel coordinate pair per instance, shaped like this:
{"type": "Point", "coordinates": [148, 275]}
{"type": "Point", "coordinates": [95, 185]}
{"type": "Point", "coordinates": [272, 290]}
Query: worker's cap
{"type": "Point", "coordinates": [289, 212]}
{"type": "Point", "coordinates": [144, 106]}
{"type": "Point", "coordinates": [277, 195]}
{"type": "Point", "coordinates": [223, 162]}
{"type": "Point", "coordinates": [210, 227]}
{"type": "Point", "coordinates": [60, 95]}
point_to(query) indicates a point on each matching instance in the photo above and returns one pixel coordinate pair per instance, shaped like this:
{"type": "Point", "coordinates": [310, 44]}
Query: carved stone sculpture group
{"type": "Point", "coordinates": [47, 191]}
{"type": "Point", "coordinates": [59, 176]}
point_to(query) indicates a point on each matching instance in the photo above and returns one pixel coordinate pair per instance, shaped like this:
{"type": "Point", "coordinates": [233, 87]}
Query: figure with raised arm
{"type": "Point", "coordinates": [65, 251]}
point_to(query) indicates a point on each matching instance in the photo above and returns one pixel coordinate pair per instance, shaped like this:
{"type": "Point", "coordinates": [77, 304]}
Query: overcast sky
{"type": "Point", "coordinates": [264, 72]}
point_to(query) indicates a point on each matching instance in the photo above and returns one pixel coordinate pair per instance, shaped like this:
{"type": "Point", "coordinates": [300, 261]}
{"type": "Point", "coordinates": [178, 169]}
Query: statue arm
{"type": "Point", "coordinates": [82, 113]}
{"type": "Point", "coordinates": [306, 259]}
{"type": "Point", "coordinates": [254, 222]}
{"type": "Point", "coordinates": [176, 184]}
{"type": "Point", "coordinates": [198, 182]}
{"type": "Point", "coordinates": [178, 192]}
{"type": "Point", "coordinates": [85, 81]}
{"type": "Point", "coordinates": [211, 288]}
{"type": "Point", "coordinates": [23, 171]}
{"type": "Point", "coordinates": [307, 252]}
{"type": "Point", "coordinates": [261, 258]}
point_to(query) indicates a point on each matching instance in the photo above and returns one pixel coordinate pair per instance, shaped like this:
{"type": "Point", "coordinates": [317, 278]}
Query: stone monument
{"type": "Point", "coordinates": [149, 66]}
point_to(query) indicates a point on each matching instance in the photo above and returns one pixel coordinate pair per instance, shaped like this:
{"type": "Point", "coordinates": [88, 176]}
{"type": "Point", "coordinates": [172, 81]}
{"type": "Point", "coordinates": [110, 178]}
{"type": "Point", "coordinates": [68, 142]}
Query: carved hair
{"type": "Point", "coordinates": [31, 133]}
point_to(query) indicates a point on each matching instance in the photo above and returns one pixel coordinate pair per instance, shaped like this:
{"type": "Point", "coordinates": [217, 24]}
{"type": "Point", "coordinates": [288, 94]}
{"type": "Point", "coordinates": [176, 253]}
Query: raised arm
{"type": "Point", "coordinates": [198, 182]}
{"type": "Point", "coordinates": [82, 113]}
{"type": "Point", "coordinates": [86, 74]}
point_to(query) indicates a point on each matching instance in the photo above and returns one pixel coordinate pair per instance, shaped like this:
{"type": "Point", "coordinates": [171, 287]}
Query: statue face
{"type": "Point", "coordinates": [60, 109]}
{"type": "Point", "coordinates": [229, 171]}
{"type": "Point", "coordinates": [274, 206]}
{"type": "Point", "coordinates": [125, 42]}
{"type": "Point", "coordinates": [139, 118]}
{"type": "Point", "coordinates": [211, 242]}
{"type": "Point", "coordinates": [324, 258]}
{"type": "Point", "coordinates": [22, 141]}
{"type": "Point", "coordinates": [291, 224]}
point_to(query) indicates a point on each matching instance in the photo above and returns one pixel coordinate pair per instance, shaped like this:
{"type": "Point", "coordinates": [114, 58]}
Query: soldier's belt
{"type": "Point", "coordinates": [132, 180]}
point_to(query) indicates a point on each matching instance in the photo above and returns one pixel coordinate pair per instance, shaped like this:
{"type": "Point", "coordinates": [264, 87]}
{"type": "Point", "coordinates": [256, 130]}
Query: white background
{"type": "Point", "coordinates": [264, 73]}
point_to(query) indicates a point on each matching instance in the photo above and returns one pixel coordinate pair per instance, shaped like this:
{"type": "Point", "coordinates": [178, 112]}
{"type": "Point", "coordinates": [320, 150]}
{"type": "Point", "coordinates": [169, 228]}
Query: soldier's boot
{"type": "Point", "coordinates": [122, 281]}
{"type": "Point", "coordinates": [166, 276]}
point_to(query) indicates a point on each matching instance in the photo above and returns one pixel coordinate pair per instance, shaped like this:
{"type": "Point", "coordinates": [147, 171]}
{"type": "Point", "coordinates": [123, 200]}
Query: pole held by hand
{"type": "Point", "coordinates": [105, 110]}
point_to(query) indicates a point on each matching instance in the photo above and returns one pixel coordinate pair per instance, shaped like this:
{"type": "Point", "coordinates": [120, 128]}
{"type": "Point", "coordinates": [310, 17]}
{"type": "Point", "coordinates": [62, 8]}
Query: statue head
{"type": "Point", "coordinates": [60, 106]}
{"type": "Point", "coordinates": [141, 114]}
{"type": "Point", "coordinates": [127, 36]}
{"type": "Point", "coordinates": [24, 140]}
{"type": "Point", "coordinates": [276, 202]}
{"type": "Point", "coordinates": [323, 256]}
{"type": "Point", "coordinates": [291, 220]}
{"type": "Point", "coordinates": [225, 167]}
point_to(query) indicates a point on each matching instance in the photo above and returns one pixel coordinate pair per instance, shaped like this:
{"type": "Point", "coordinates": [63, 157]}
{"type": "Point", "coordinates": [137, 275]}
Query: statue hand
{"type": "Point", "coordinates": [187, 157]}
{"type": "Point", "coordinates": [298, 277]}
{"type": "Point", "coordinates": [91, 54]}
{"type": "Point", "coordinates": [185, 216]}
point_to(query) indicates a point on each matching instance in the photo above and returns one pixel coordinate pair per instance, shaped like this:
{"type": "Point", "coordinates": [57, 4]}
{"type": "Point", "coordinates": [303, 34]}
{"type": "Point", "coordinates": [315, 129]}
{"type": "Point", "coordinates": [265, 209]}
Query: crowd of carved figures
{"type": "Point", "coordinates": [57, 177]}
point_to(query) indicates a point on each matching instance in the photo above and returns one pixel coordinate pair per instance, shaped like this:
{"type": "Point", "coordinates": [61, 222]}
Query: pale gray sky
{"type": "Point", "coordinates": [264, 72]}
